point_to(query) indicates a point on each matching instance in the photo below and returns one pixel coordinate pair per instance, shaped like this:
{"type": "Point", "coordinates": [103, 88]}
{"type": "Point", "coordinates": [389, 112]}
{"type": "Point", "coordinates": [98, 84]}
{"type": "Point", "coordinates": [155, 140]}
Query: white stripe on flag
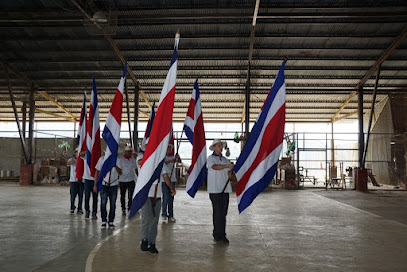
{"type": "Point", "coordinates": [197, 169]}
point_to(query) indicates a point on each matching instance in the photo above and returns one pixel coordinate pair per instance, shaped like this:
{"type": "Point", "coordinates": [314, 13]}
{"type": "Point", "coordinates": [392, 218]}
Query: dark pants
{"type": "Point", "coordinates": [74, 189]}
{"type": "Point", "coordinates": [88, 191]}
{"type": "Point", "coordinates": [108, 192]}
{"type": "Point", "coordinates": [124, 186]}
{"type": "Point", "coordinates": [168, 201]}
{"type": "Point", "coordinates": [220, 204]}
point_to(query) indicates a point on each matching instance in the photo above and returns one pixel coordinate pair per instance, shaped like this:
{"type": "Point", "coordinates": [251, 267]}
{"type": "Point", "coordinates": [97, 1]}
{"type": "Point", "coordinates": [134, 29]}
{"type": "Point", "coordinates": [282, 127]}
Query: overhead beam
{"type": "Point", "coordinates": [112, 44]}
{"type": "Point", "coordinates": [50, 98]}
{"type": "Point", "coordinates": [382, 58]}
{"type": "Point", "coordinates": [345, 116]}
{"type": "Point", "coordinates": [55, 115]}
{"type": "Point", "coordinates": [343, 105]}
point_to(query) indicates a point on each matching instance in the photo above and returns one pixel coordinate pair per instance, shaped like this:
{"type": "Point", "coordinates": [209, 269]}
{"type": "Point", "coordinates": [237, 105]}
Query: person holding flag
{"type": "Point", "coordinates": [220, 171]}
{"type": "Point", "coordinates": [168, 197]}
{"type": "Point", "coordinates": [147, 194]}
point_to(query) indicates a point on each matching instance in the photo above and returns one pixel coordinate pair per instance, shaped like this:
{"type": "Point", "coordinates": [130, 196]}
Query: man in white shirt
{"type": "Point", "coordinates": [127, 178]}
{"type": "Point", "coordinates": [109, 191]}
{"type": "Point", "coordinates": [219, 171]}
{"type": "Point", "coordinates": [167, 212]}
{"type": "Point", "coordinates": [76, 186]}
{"type": "Point", "coordinates": [150, 212]}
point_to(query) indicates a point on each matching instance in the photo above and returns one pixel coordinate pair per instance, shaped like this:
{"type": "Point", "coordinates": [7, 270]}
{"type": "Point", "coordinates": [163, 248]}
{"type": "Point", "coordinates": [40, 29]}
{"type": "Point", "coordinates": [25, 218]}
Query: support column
{"type": "Point", "coordinates": [126, 89]}
{"type": "Point", "coordinates": [24, 121]}
{"type": "Point", "coordinates": [332, 144]}
{"type": "Point", "coordinates": [31, 125]}
{"type": "Point", "coordinates": [136, 108]}
{"type": "Point", "coordinates": [247, 109]}
{"type": "Point", "coordinates": [361, 138]}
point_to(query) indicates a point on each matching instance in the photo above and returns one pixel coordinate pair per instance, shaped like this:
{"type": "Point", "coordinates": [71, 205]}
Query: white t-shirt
{"type": "Point", "coordinates": [128, 169]}
{"type": "Point", "coordinates": [113, 175]}
{"type": "Point", "coordinates": [170, 168]}
{"type": "Point", "coordinates": [72, 174]}
{"type": "Point", "coordinates": [218, 178]}
{"type": "Point", "coordinates": [86, 170]}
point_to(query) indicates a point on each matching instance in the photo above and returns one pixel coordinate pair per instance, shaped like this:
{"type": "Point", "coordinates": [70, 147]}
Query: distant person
{"type": "Point", "coordinates": [76, 186]}
{"type": "Point", "coordinates": [167, 212]}
{"type": "Point", "coordinates": [108, 192]}
{"type": "Point", "coordinates": [220, 170]}
{"type": "Point", "coordinates": [127, 179]}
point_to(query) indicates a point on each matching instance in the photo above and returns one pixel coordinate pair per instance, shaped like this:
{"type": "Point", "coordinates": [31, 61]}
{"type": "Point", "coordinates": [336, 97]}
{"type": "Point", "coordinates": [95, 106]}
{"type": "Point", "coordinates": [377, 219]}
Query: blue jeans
{"type": "Point", "coordinates": [88, 190]}
{"type": "Point", "coordinates": [80, 195]}
{"type": "Point", "coordinates": [168, 200]}
{"type": "Point", "coordinates": [111, 193]}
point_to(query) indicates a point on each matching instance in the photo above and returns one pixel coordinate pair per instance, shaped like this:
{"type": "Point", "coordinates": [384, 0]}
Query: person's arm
{"type": "Point", "coordinates": [169, 184]}
{"type": "Point", "coordinates": [222, 166]}
{"type": "Point", "coordinates": [95, 189]}
{"type": "Point", "coordinates": [119, 170]}
{"type": "Point", "coordinates": [71, 161]}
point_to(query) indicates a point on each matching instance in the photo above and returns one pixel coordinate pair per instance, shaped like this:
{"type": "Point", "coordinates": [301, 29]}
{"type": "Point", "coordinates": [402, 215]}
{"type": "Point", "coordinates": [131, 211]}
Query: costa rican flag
{"type": "Point", "coordinates": [257, 163]}
{"type": "Point", "coordinates": [149, 125]}
{"type": "Point", "coordinates": [93, 145]}
{"type": "Point", "coordinates": [111, 131]}
{"type": "Point", "coordinates": [81, 139]}
{"type": "Point", "coordinates": [194, 129]}
{"type": "Point", "coordinates": [154, 155]}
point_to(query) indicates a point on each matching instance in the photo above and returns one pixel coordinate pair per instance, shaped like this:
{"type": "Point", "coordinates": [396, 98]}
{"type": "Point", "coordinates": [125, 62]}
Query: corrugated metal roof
{"type": "Point", "coordinates": [331, 46]}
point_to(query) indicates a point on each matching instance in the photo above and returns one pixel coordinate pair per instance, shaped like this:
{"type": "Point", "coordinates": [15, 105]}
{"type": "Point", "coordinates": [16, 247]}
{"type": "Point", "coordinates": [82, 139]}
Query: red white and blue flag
{"type": "Point", "coordinates": [149, 126]}
{"type": "Point", "coordinates": [93, 146]}
{"type": "Point", "coordinates": [194, 129]}
{"type": "Point", "coordinates": [257, 163]}
{"type": "Point", "coordinates": [81, 139]}
{"type": "Point", "coordinates": [111, 131]}
{"type": "Point", "coordinates": [154, 155]}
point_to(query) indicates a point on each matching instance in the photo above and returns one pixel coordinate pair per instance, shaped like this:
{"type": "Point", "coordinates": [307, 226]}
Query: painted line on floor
{"type": "Point", "coordinates": [92, 254]}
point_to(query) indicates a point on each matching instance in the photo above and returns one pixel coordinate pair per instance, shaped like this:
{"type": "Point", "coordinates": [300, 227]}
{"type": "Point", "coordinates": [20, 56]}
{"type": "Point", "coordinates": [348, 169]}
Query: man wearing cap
{"type": "Point", "coordinates": [127, 179]}
{"type": "Point", "coordinates": [76, 186]}
{"type": "Point", "coordinates": [167, 212]}
{"type": "Point", "coordinates": [219, 171]}
{"type": "Point", "coordinates": [109, 191]}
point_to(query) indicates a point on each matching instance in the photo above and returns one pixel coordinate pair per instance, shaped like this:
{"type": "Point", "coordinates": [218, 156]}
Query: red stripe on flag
{"type": "Point", "coordinates": [191, 108]}
{"type": "Point", "coordinates": [96, 153]}
{"type": "Point", "coordinates": [272, 137]}
{"type": "Point", "coordinates": [161, 125]}
{"type": "Point", "coordinates": [116, 108]}
{"type": "Point", "coordinates": [199, 140]}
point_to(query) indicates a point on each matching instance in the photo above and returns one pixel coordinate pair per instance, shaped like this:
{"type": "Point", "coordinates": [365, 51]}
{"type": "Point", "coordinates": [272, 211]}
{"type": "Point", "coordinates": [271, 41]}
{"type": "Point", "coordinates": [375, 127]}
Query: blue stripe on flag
{"type": "Point", "coordinates": [189, 134]}
{"type": "Point", "coordinates": [141, 197]}
{"type": "Point", "coordinates": [198, 182]}
{"type": "Point", "coordinates": [250, 194]}
{"type": "Point", "coordinates": [174, 56]}
{"type": "Point", "coordinates": [88, 156]}
{"type": "Point", "coordinates": [95, 100]}
{"type": "Point", "coordinates": [258, 126]}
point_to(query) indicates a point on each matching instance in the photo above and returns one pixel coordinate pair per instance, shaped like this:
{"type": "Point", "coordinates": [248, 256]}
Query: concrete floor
{"type": "Point", "coordinates": [305, 230]}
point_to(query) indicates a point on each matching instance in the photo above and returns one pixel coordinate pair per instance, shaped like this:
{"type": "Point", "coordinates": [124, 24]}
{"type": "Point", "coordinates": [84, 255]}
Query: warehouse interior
{"type": "Point", "coordinates": [338, 200]}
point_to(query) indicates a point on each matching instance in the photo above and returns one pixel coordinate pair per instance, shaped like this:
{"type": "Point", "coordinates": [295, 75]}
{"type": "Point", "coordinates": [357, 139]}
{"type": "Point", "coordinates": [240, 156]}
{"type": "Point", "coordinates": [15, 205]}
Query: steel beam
{"type": "Point", "coordinates": [50, 98]}
{"type": "Point", "coordinates": [361, 138]}
{"type": "Point", "coordinates": [128, 112]}
{"type": "Point", "coordinates": [55, 115]}
{"type": "Point", "coordinates": [31, 119]}
{"type": "Point", "coordinates": [112, 44]}
{"type": "Point", "coordinates": [136, 110]}
{"type": "Point", "coordinates": [13, 103]}
{"type": "Point", "coordinates": [371, 116]}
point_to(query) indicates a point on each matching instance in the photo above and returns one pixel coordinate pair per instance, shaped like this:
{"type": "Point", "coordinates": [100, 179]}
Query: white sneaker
{"type": "Point", "coordinates": [172, 219]}
{"type": "Point", "coordinates": [103, 226]}
{"type": "Point", "coordinates": [164, 218]}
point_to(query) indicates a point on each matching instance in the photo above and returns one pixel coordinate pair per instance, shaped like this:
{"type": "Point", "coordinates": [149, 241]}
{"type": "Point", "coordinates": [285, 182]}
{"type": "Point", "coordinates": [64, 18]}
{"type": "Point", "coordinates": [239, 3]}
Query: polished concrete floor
{"type": "Point", "coordinates": [304, 230]}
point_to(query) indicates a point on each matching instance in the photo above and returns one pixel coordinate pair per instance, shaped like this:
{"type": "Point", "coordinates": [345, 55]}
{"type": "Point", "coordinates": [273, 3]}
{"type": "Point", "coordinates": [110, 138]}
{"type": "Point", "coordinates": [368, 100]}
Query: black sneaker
{"type": "Point", "coordinates": [153, 249]}
{"type": "Point", "coordinates": [111, 225]}
{"type": "Point", "coordinates": [79, 212]}
{"type": "Point", "coordinates": [144, 245]}
{"type": "Point", "coordinates": [87, 215]}
{"type": "Point", "coordinates": [73, 210]}
{"type": "Point", "coordinates": [218, 240]}
{"type": "Point", "coordinates": [103, 226]}
{"type": "Point", "coordinates": [225, 240]}
{"type": "Point", "coordinates": [94, 216]}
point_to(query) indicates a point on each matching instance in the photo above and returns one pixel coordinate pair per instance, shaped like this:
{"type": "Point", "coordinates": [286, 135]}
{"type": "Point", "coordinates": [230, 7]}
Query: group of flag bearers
{"type": "Point", "coordinates": [254, 168]}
